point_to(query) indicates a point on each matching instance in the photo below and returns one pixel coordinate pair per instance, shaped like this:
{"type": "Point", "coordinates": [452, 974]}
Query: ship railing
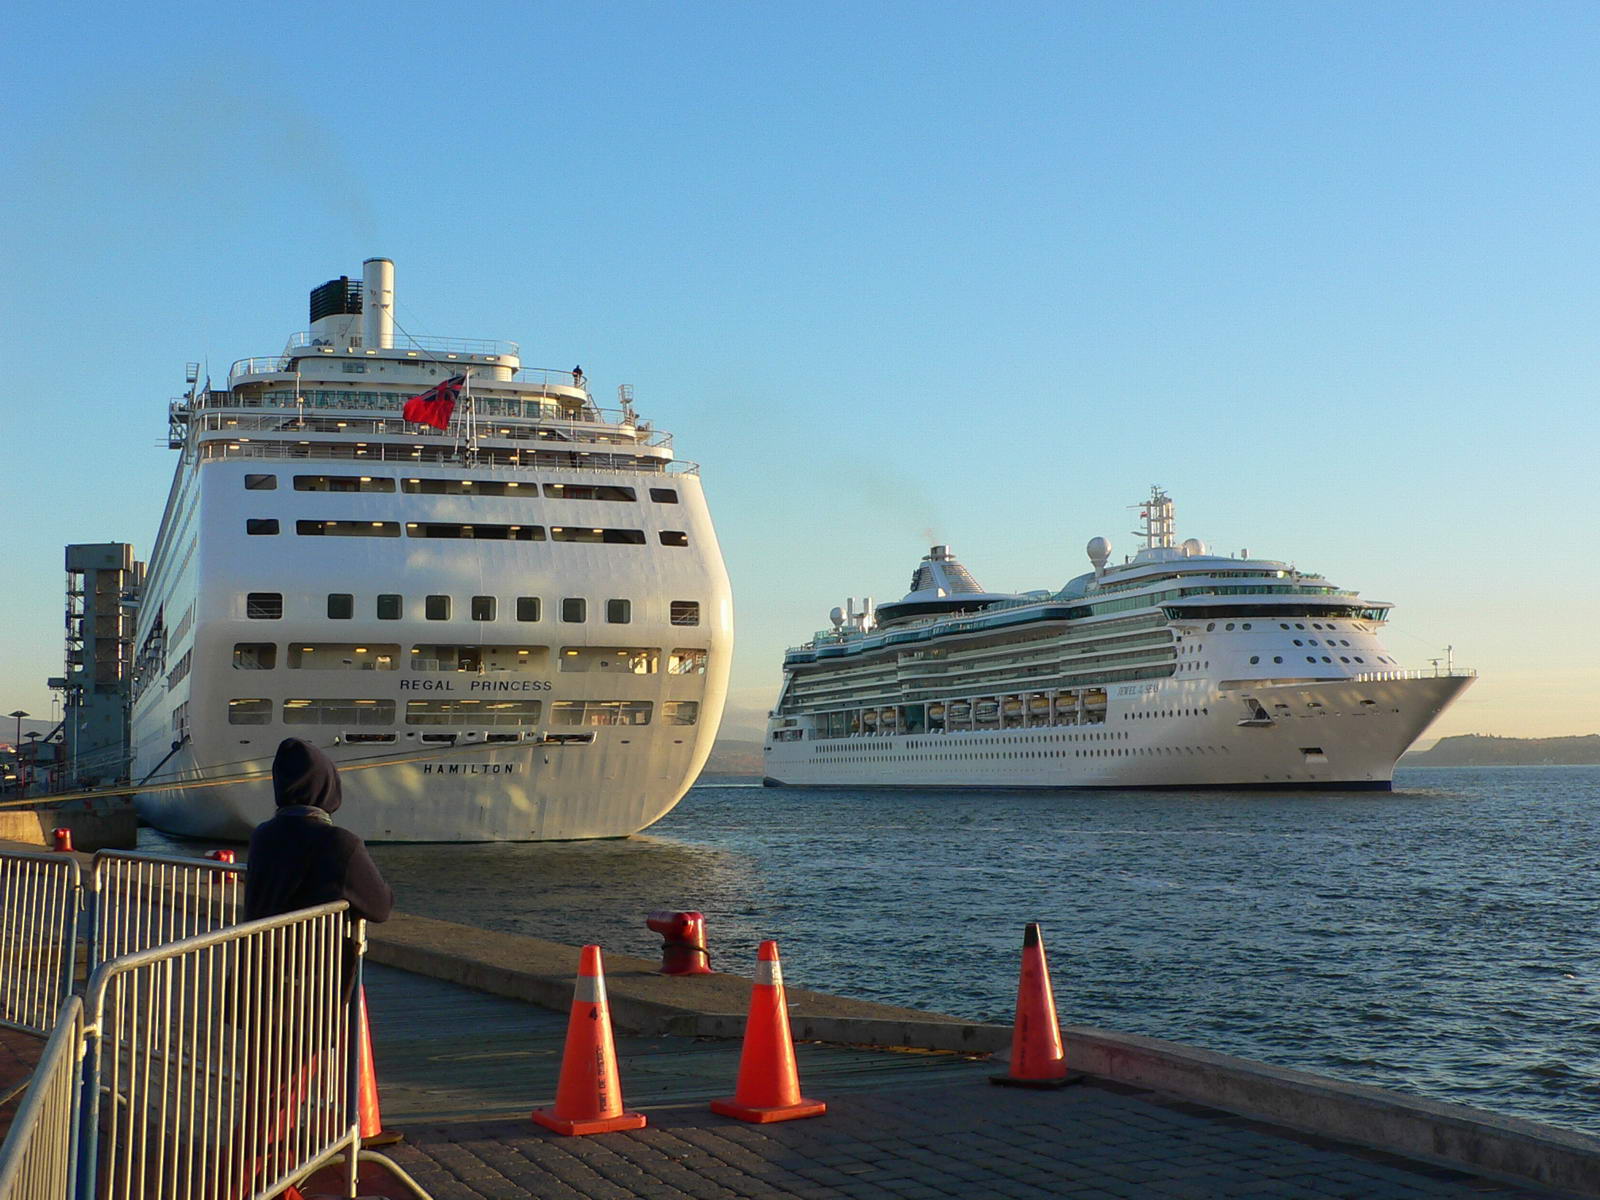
{"type": "Point", "coordinates": [41, 896]}
{"type": "Point", "coordinates": [1388, 676]}
{"type": "Point", "coordinates": [144, 900]}
{"type": "Point", "coordinates": [448, 454]}
{"type": "Point", "coordinates": [530, 427]}
{"type": "Point", "coordinates": [424, 341]}
{"type": "Point", "coordinates": [269, 364]}
{"type": "Point", "coordinates": [38, 1160]}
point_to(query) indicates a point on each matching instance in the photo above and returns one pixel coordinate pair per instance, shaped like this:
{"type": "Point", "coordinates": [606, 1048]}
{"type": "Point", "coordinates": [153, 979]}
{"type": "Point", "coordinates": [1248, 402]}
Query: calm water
{"type": "Point", "coordinates": [1442, 939]}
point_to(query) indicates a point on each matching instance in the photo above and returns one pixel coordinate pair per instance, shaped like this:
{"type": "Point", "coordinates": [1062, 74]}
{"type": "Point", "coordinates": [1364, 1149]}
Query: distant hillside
{"type": "Point", "coordinates": [732, 757]}
{"type": "Point", "coordinates": [1480, 750]}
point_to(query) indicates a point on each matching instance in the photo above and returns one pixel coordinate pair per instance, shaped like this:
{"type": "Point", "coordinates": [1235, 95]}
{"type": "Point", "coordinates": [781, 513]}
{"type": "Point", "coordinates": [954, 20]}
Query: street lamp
{"type": "Point", "coordinates": [16, 747]}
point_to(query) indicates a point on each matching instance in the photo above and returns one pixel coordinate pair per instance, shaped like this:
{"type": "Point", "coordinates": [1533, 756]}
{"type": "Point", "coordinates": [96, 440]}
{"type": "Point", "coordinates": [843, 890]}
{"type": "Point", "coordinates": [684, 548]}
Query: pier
{"type": "Point", "coordinates": [469, 1027]}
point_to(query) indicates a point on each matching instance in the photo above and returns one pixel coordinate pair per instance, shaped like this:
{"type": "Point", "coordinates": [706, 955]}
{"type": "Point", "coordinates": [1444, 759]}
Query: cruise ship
{"type": "Point", "coordinates": [515, 626]}
{"type": "Point", "coordinates": [1176, 668]}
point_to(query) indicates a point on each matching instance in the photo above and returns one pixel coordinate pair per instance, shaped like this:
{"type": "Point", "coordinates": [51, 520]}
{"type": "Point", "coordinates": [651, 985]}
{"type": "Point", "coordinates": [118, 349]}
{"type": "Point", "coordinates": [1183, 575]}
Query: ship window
{"type": "Point", "coordinates": [364, 738]}
{"type": "Point", "coordinates": [1277, 658]}
{"type": "Point", "coordinates": [1283, 624]}
{"type": "Point", "coordinates": [390, 607]}
{"type": "Point", "coordinates": [664, 495]}
{"type": "Point", "coordinates": [436, 608]}
{"type": "Point", "coordinates": [480, 532]}
{"type": "Point", "coordinates": [1326, 659]}
{"type": "Point", "coordinates": [686, 662]}
{"type": "Point", "coordinates": [1311, 658]}
{"type": "Point", "coordinates": [338, 712]}
{"type": "Point", "coordinates": [574, 610]}
{"type": "Point", "coordinates": [342, 483]}
{"type": "Point", "coordinates": [483, 608]}
{"type": "Point", "coordinates": [381, 529]}
{"type": "Point", "coordinates": [1298, 642]}
{"type": "Point", "coordinates": [249, 712]}
{"type": "Point", "coordinates": [600, 712]}
{"type": "Point", "coordinates": [619, 612]}
{"type": "Point", "coordinates": [343, 656]}
{"type": "Point", "coordinates": [1229, 626]}
{"type": "Point", "coordinates": [426, 656]}
{"type": "Point", "coordinates": [614, 660]}
{"type": "Point", "coordinates": [261, 525]}
{"type": "Point", "coordinates": [255, 656]}
{"type": "Point", "coordinates": [263, 606]}
{"type": "Point", "coordinates": [680, 712]}
{"type": "Point", "coordinates": [674, 537]}
{"type": "Point", "coordinates": [527, 608]}
{"type": "Point", "coordinates": [587, 491]}
{"type": "Point", "coordinates": [609, 537]}
{"type": "Point", "coordinates": [1255, 658]}
{"type": "Point", "coordinates": [469, 487]}
{"type": "Point", "coordinates": [1359, 659]}
{"type": "Point", "coordinates": [1211, 628]}
{"type": "Point", "coordinates": [685, 612]}
{"type": "Point", "coordinates": [473, 712]}
{"type": "Point", "coordinates": [354, 368]}
{"type": "Point", "coordinates": [261, 483]}
{"type": "Point", "coordinates": [341, 606]}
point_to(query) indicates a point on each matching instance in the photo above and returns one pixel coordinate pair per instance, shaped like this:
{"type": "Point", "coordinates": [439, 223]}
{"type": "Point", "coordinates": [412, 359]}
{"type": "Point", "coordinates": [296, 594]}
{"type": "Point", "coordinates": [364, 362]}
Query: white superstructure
{"type": "Point", "coordinates": [1177, 668]}
{"type": "Point", "coordinates": [517, 628]}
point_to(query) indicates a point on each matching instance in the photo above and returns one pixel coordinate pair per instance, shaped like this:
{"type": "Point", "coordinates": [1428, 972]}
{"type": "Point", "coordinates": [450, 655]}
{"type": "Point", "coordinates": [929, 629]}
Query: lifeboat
{"type": "Point", "coordinates": [1038, 704]}
{"type": "Point", "coordinates": [869, 717]}
{"type": "Point", "coordinates": [986, 710]}
{"type": "Point", "coordinates": [935, 712]}
{"type": "Point", "coordinates": [1095, 698]}
{"type": "Point", "coordinates": [960, 710]}
{"type": "Point", "coordinates": [1013, 707]}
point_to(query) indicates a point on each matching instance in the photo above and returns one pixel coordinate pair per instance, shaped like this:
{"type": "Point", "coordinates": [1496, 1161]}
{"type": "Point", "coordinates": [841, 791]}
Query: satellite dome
{"type": "Point", "coordinates": [1194, 547]}
{"type": "Point", "coordinates": [837, 617]}
{"type": "Point", "coordinates": [1099, 551]}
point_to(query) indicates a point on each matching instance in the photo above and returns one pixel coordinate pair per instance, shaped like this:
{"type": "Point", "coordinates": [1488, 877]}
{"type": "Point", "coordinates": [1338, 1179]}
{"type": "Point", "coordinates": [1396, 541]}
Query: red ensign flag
{"type": "Point", "coordinates": [434, 406]}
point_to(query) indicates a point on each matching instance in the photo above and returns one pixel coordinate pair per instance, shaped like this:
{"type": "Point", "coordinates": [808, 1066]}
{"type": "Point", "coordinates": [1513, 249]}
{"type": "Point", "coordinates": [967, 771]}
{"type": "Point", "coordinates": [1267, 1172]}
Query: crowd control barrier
{"type": "Point", "coordinates": [222, 1066]}
{"type": "Point", "coordinates": [145, 900]}
{"type": "Point", "coordinates": [37, 1160]}
{"type": "Point", "coordinates": [41, 895]}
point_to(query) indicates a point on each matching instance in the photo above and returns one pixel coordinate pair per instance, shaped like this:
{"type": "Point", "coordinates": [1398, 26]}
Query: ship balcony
{"type": "Point", "coordinates": [444, 452]}
{"type": "Point", "coordinates": [232, 423]}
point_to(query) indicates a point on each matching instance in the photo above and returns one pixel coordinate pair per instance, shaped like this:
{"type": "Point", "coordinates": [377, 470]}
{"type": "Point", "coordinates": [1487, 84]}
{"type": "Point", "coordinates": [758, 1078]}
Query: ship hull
{"type": "Point", "coordinates": [491, 793]}
{"type": "Point", "coordinates": [1338, 734]}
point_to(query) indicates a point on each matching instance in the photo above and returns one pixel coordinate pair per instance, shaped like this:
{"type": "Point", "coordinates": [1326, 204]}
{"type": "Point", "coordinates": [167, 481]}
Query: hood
{"type": "Point", "coordinates": [302, 774]}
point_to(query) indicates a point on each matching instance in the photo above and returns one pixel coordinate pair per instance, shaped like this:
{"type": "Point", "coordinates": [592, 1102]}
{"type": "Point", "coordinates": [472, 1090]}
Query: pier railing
{"type": "Point", "coordinates": [39, 1157]}
{"type": "Point", "coordinates": [41, 895]}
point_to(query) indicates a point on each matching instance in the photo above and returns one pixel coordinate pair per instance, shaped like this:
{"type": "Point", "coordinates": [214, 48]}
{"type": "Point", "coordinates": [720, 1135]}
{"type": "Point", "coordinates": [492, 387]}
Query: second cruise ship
{"type": "Point", "coordinates": [513, 626]}
{"type": "Point", "coordinates": [1176, 668]}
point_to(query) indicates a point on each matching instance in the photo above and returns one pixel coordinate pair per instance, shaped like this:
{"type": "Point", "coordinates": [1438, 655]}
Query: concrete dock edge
{"type": "Point", "coordinates": [644, 1001]}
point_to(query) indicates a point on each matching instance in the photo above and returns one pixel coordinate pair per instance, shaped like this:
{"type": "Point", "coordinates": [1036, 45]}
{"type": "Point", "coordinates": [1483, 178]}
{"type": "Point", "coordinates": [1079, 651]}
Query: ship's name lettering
{"type": "Point", "coordinates": [1138, 689]}
{"type": "Point", "coordinates": [469, 768]}
{"type": "Point", "coordinates": [476, 685]}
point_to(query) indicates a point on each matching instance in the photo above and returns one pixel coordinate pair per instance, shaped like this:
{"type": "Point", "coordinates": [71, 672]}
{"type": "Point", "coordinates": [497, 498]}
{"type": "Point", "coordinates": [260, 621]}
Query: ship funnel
{"type": "Point", "coordinates": [377, 303]}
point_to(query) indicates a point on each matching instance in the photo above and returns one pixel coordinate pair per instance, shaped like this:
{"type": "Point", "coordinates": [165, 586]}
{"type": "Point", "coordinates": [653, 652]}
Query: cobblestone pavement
{"type": "Point", "coordinates": [925, 1143]}
{"type": "Point", "coordinates": [19, 1052]}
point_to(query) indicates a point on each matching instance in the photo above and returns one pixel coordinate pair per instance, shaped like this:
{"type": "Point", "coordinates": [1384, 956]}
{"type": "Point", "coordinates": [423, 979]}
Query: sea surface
{"type": "Point", "coordinates": [1442, 939]}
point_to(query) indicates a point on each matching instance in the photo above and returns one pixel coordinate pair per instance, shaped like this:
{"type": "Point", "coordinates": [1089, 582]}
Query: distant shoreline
{"type": "Point", "coordinates": [1482, 750]}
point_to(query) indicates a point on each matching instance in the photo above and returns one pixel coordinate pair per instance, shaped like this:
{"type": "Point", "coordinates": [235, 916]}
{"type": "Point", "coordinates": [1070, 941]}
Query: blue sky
{"type": "Point", "coordinates": [894, 273]}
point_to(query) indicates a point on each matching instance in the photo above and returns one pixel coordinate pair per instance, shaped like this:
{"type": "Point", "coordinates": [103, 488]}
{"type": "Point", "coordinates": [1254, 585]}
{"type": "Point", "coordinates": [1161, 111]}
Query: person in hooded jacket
{"type": "Point", "coordinates": [299, 858]}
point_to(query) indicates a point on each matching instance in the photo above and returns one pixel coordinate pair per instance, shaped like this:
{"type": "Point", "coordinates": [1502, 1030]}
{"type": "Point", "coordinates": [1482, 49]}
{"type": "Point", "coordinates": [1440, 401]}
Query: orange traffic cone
{"type": "Point", "coordinates": [769, 1085]}
{"type": "Point", "coordinates": [589, 1096]}
{"type": "Point", "coordinates": [371, 1119]}
{"type": "Point", "coordinates": [1037, 1058]}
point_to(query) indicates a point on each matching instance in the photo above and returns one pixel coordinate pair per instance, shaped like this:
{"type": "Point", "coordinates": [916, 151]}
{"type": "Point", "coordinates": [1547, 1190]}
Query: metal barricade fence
{"type": "Point", "coordinates": [40, 898]}
{"type": "Point", "coordinates": [221, 1067]}
{"type": "Point", "coordinates": [144, 900]}
{"type": "Point", "coordinates": [37, 1160]}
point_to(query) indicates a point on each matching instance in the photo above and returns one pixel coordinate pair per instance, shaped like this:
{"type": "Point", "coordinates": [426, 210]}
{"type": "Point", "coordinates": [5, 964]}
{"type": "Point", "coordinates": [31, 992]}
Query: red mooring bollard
{"type": "Point", "coordinates": [63, 838]}
{"type": "Point", "coordinates": [683, 942]}
{"type": "Point", "coordinates": [220, 855]}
